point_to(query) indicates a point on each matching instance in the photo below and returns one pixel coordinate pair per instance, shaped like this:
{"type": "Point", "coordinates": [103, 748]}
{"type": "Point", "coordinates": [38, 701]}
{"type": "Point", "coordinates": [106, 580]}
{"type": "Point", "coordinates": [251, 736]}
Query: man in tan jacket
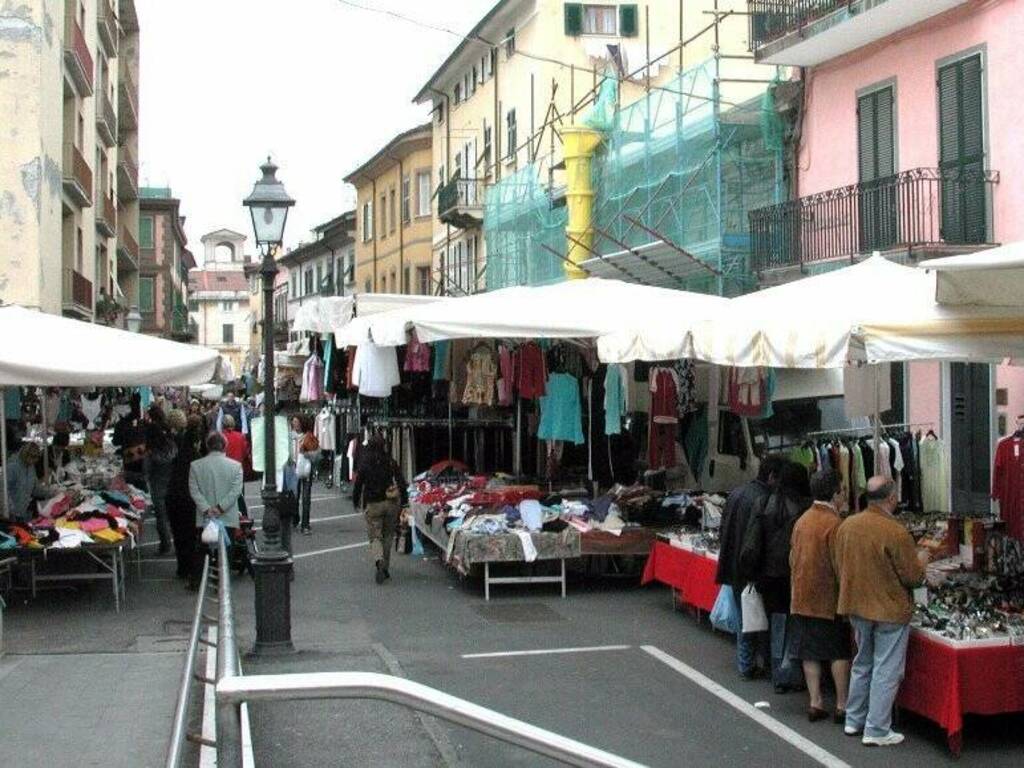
{"type": "Point", "coordinates": [877, 565]}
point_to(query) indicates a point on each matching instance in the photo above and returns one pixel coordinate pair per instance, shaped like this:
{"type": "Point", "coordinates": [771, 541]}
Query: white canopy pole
{"type": "Point", "coordinates": [46, 434]}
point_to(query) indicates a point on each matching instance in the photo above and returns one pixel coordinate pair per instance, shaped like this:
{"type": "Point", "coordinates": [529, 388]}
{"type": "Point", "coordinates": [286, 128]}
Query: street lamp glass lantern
{"type": "Point", "coordinates": [268, 204]}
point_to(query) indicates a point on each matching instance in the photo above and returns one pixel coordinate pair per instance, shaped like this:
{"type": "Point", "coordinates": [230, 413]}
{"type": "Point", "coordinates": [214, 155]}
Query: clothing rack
{"type": "Point", "coordinates": [852, 430]}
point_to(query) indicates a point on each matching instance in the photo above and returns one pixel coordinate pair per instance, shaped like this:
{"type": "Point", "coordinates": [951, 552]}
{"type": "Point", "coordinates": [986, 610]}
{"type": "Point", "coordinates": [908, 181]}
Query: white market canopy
{"type": "Point", "coordinates": [872, 312]}
{"type": "Point", "coordinates": [991, 278]}
{"type": "Point", "coordinates": [330, 314]}
{"type": "Point", "coordinates": [44, 350]}
{"type": "Point", "coordinates": [574, 309]}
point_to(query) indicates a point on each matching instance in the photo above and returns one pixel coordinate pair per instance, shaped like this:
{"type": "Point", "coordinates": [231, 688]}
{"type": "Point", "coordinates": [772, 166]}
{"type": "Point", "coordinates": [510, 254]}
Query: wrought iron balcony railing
{"type": "Point", "coordinates": [772, 19]}
{"type": "Point", "coordinates": [460, 202]}
{"type": "Point", "coordinates": [77, 291]}
{"type": "Point", "coordinates": [919, 207]}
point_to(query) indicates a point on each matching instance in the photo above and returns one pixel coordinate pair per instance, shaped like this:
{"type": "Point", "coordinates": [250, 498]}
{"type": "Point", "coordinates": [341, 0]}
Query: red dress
{"type": "Point", "coordinates": [1008, 484]}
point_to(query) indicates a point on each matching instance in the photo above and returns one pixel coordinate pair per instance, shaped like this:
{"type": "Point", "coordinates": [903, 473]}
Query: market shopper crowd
{"type": "Point", "coordinates": [802, 572]}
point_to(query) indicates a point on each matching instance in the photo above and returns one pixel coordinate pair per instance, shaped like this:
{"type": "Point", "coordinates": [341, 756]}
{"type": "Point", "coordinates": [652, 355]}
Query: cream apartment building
{"type": "Point", "coordinates": [69, 211]}
{"type": "Point", "coordinates": [523, 68]}
{"type": "Point", "coordinates": [219, 298]}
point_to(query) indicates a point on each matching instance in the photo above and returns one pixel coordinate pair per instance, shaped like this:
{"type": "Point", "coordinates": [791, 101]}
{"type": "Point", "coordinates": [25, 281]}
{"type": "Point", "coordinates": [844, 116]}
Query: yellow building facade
{"type": "Point", "coordinates": [532, 65]}
{"type": "Point", "coordinates": [394, 216]}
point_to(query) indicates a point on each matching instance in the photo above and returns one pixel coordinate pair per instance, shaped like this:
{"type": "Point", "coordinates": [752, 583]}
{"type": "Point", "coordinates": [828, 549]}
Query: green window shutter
{"type": "Point", "coordinates": [146, 298]}
{"type": "Point", "coordinates": [962, 151]}
{"type": "Point", "coordinates": [628, 21]}
{"type": "Point", "coordinates": [573, 19]}
{"type": "Point", "coordinates": [146, 231]}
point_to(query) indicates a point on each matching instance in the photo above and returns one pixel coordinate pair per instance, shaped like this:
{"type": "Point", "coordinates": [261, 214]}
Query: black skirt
{"type": "Point", "coordinates": [812, 639]}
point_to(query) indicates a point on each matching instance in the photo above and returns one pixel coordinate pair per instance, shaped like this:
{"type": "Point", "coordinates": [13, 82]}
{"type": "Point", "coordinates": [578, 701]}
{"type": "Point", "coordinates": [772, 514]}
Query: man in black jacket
{"type": "Point", "coordinates": [742, 504]}
{"type": "Point", "coordinates": [381, 491]}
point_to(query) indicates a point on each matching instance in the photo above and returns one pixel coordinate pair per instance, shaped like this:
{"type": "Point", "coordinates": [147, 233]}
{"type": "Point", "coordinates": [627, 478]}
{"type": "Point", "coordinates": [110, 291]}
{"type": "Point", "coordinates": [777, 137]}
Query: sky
{"type": "Point", "coordinates": [318, 84]}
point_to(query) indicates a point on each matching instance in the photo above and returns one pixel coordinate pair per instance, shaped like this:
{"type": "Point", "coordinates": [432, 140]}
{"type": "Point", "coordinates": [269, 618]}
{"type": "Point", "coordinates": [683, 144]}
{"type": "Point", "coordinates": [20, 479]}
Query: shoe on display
{"type": "Point", "coordinates": [890, 739]}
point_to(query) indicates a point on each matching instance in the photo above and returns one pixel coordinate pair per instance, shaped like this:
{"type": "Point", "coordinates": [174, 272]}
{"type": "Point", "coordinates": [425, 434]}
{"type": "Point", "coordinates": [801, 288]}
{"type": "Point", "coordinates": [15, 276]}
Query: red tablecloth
{"type": "Point", "coordinates": [690, 573]}
{"type": "Point", "coordinates": [944, 683]}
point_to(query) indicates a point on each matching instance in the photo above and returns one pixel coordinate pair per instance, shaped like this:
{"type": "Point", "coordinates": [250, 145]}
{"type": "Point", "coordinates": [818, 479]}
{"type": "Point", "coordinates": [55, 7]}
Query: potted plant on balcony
{"type": "Point", "coordinates": [108, 309]}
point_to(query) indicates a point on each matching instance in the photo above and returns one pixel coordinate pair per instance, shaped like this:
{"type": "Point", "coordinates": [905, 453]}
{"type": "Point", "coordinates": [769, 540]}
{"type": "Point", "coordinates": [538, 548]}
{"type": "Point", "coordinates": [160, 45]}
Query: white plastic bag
{"type": "Point", "coordinates": [211, 532]}
{"type": "Point", "coordinates": [303, 467]}
{"type": "Point", "coordinates": [754, 617]}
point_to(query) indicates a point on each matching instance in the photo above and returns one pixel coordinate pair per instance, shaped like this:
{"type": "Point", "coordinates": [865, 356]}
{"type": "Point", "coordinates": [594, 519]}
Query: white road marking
{"type": "Point", "coordinates": [332, 549]}
{"type": "Point", "coordinates": [785, 733]}
{"type": "Point", "coordinates": [546, 651]}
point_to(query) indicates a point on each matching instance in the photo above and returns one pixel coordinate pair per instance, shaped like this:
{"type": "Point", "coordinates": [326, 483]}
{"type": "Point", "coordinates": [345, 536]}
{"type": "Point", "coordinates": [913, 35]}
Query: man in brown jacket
{"type": "Point", "coordinates": [878, 566]}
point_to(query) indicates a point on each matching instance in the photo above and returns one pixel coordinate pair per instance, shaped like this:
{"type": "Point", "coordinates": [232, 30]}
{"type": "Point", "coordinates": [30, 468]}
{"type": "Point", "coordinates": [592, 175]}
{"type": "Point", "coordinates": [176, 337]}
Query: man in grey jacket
{"type": "Point", "coordinates": [215, 483]}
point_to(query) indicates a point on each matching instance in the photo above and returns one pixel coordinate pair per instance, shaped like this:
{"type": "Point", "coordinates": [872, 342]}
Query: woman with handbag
{"type": "Point", "coordinates": [307, 453]}
{"type": "Point", "coordinates": [381, 491]}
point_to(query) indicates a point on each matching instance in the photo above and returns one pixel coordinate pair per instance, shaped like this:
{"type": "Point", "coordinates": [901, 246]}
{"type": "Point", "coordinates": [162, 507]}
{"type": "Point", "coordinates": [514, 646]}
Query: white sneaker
{"type": "Point", "coordinates": [890, 739]}
{"type": "Point", "coordinates": [849, 730]}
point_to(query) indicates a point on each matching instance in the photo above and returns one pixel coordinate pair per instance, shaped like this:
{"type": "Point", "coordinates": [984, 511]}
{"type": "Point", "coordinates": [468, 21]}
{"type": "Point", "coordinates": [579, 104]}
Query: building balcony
{"type": "Point", "coordinates": [915, 214]}
{"type": "Point", "coordinates": [106, 27]}
{"type": "Point", "coordinates": [77, 59]}
{"type": "Point", "coordinates": [461, 203]}
{"type": "Point", "coordinates": [106, 217]}
{"type": "Point", "coordinates": [106, 120]}
{"type": "Point", "coordinates": [77, 177]}
{"type": "Point", "coordinates": [77, 296]}
{"type": "Point", "coordinates": [127, 176]}
{"type": "Point", "coordinates": [127, 252]}
{"type": "Point", "coordinates": [128, 101]}
{"type": "Point", "coordinates": [129, 18]}
{"type": "Point", "coordinates": [804, 33]}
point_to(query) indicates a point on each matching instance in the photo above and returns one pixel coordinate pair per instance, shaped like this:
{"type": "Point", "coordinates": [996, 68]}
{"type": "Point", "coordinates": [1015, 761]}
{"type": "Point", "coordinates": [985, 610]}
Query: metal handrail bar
{"type": "Point", "coordinates": [232, 691]}
{"type": "Point", "coordinates": [177, 743]}
{"type": "Point", "coordinates": [229, 716]}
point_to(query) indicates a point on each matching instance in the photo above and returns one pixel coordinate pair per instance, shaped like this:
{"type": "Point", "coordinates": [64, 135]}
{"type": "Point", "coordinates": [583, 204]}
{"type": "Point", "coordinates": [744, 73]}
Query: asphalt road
{"type": "Point", "coordinates": [653, 684]}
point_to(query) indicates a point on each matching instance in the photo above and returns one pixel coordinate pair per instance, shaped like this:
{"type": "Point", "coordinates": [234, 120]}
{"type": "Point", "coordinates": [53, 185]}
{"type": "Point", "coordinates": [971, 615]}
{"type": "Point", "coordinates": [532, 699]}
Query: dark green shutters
{"type": "Point", "coordinates": [573, 19]}
{"type": "Point", "coordinates": [876, 161]}
{"type": "Point", "coordinates": [628, 21]}
{"type": "Point", "coordinates": [962, 151]}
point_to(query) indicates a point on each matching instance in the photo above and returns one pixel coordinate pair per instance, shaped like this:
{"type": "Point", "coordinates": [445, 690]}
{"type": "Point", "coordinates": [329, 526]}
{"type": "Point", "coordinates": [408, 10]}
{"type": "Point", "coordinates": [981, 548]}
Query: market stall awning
{"type": "Point", "coordinates": [875, 311]}
{"type": "Point", "coordinates": [39, 349]}
{"type": "Point", "coordinates": [992, 278]}
{"type": "Point", "coordinates": [574, 309]}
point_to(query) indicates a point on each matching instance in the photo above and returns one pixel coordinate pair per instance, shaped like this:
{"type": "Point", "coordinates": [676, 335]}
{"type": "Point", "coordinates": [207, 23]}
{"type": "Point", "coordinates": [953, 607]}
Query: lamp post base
{"type": "Point", "coordinates": [273, 574]}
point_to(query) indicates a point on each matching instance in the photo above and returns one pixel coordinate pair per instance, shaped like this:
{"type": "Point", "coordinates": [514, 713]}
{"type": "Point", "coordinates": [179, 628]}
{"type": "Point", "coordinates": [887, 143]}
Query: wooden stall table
{"type": "Point", "coordinates": [690, 574]}
{"type": "Point", "coordinates": [109, 557]}
{"type": "Point", "coordinates": [946, 680]}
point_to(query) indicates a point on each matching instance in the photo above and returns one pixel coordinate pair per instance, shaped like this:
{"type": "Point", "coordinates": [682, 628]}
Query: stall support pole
{"type": "Point", "coordinates": [877, 425]}
{"type": "Point", "coordinates": [590, 436]}
{"type": "Point", "coordinates": [46, 433]}
{"type": "Point", "coordinates": [3, 445]}
{"type": "Point", "coordinates": [517, 451]}
{"type": "Point", "coordinates": [451, 445]}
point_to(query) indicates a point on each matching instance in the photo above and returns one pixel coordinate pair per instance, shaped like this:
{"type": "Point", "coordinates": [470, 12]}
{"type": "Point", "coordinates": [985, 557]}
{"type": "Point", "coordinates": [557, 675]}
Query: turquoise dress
{"type": "Point", "coordinates": [561, 416]}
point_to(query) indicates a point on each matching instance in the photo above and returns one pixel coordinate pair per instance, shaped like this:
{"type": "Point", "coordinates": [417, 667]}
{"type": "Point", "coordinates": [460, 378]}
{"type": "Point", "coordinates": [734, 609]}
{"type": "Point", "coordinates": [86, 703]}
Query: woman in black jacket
{"type": "Point", "coordinates": [189, 433]}
{"type": "Point", "coordinates": [765, 559]}
{"type": "Point", "coordinates": [380, 490]}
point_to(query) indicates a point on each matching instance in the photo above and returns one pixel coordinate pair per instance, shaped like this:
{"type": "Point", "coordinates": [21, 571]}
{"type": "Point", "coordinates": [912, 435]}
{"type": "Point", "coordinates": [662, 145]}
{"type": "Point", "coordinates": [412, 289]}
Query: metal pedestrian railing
{"type": "Point", "coordinates": [234, 691]}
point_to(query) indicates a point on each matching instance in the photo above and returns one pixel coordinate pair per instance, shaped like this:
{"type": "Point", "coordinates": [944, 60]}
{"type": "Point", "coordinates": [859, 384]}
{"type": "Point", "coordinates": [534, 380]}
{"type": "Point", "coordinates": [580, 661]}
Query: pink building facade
{"type": "Point", "coordinates": [922, 85]}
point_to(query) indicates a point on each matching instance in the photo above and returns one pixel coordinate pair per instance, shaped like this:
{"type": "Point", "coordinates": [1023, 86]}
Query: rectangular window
{"type": "Point", "coordinates": [600, 19]}
{"type": "Point", "coordinates": [405, 280]}
{"type": "Point", "coordinates": [384, 284]}
{"type": "Point", "coordinates": [367, 221]}
{"type": "Point", "coordinates": [406, 200]}
{"type": "Point", "coordinates": [146, 231]}
{"type": "Point", "coordinates": [319, 275]}
{"type": "Point", "coordinates": [469, 85]}
{"type": "Point", "coordinates": [423, 193]}
{"type": "Point", "coordinates": [391, 210]}
{"type": "Point", "coordinates": [510, 43]}
{"type": "Point", "coordinates": [629, 21]}
{"type": "Point", "coordinates": [295, 285]}
{"type": "Point", "coordinates": [228, 333]}
{"type": "Point", "coordinates": [573, 13]}
{"type": "Point", "coordinates": [510, 130]}
{"type": "Point", "coordinates": [193, 305]}
{"type": "Point", "coordinates": [307, 282]}
{"type": "Point", "coordinates": [876, 150]}
{"type": "Point", "coordinates": [457, 94]}
{"type": "Point", "coordinates": [383, 215]}
{"type": "Point", "coordinates": [227, 306]}
{"type": "Point", "coordinates": [423, 281]}
{"type": "Point", "coordinates": [147, 291]}
{"type": "Point", "coordinates": [962, 151]}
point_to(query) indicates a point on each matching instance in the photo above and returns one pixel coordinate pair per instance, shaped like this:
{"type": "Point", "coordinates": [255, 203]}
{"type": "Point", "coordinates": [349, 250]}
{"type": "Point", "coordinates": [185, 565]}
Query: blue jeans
{"type": "Point", "coordinates": [876, 675]}
{"type": "Point", "coordinates": [749, 646]}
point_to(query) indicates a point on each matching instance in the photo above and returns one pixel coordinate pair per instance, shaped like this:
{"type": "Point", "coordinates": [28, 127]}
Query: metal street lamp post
{"type": "Point", "coordinates": [268, 204]}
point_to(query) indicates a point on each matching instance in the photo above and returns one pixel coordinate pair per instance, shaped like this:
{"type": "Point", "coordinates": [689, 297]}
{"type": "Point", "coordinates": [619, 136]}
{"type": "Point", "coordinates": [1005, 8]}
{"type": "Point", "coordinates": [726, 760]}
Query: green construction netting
{"type": "Point", "coordinates": [519, 221]}
{"type": "Point", "coordinates": [682, 167]}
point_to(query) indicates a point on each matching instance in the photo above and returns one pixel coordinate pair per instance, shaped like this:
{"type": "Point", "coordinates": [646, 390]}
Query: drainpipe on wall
{"type": "Point", "coordinates": [373, 229]}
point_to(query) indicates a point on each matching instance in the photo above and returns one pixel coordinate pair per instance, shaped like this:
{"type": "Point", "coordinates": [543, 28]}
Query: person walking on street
{"type": "Point", "coordinates": [764, 560]}
{"type": "Point", "coordinates": [735, 518]}
{"type": "Point", "coordinates": [878, 566]}
{"type": "Point", "coordinates": [215, 483]}
{"type": "Point", "coordinates": [236, 448]}
{"type": "Point", "coordinates": [817, 635]}
{"type": "Point", "coordinates": [161, 450]}
{"type": "Point", "coordinates": [381, 491]}
{"type": "Point", "coordinates": [306, 448]}
{"type": "Point", "coordinates": [181, 509]}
